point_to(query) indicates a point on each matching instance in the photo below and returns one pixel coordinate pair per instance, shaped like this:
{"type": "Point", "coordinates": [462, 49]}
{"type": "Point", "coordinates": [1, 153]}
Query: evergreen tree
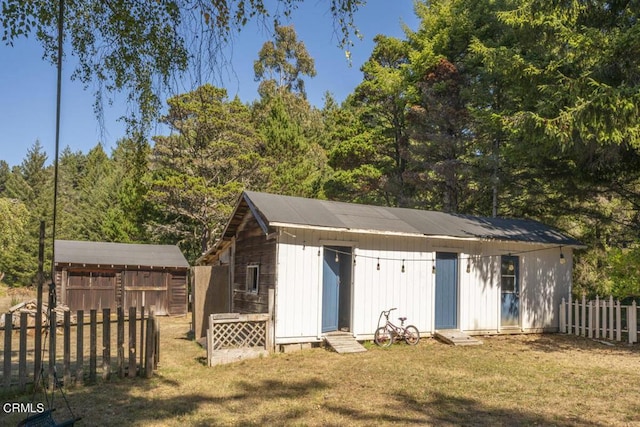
{"type": "Point", "coordinates": [199, 171]}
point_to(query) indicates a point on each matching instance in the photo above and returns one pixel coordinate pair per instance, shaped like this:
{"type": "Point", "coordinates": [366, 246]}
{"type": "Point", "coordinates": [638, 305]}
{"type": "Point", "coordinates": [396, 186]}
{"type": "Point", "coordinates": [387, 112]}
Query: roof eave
{"type": "Point", "coordinates": [431, 236]}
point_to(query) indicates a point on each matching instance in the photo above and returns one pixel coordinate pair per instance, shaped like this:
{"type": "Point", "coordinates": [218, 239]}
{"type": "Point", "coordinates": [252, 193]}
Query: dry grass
{"type": "Point", "coordinates": [11, 296]}
{"type": "Point", "coordinates": [518, 380]}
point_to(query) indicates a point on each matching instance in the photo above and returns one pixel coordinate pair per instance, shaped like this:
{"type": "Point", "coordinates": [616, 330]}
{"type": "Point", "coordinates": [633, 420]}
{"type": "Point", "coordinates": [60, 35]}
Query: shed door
{"type": "Point", "coordinates": [336, 288]}
{"type": "Point", "coordinates": [446, 308]}
{"type": "Point", "coordinates": [510, 290]}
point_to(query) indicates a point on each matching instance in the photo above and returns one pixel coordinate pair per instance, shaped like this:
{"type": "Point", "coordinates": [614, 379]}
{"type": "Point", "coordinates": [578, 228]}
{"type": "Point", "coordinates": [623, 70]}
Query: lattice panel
{"type": "Point", "coordinates": [239, 335]}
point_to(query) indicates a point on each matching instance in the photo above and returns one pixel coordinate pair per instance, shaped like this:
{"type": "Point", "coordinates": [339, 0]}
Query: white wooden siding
{"type": "Point", "coordinates": [543, 282]}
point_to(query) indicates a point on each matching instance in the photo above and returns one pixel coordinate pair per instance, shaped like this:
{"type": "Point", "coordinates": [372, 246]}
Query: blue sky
{"type": "Point", "coordinates": [28, 83]}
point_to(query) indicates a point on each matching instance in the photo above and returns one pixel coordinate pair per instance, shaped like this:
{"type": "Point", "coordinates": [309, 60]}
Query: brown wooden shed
{"type": "Point", "coordinates": [97, 275]}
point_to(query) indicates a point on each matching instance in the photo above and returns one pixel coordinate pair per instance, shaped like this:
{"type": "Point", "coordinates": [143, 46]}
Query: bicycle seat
{"type": "Point", "coordinates": [402, 319]}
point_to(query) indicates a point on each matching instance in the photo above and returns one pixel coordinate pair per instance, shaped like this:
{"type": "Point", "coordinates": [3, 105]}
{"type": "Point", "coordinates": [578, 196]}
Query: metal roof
{"type": "Point", "coordinates": [106, 253]}
{"type": "Point", "coordinates": [277, 210]}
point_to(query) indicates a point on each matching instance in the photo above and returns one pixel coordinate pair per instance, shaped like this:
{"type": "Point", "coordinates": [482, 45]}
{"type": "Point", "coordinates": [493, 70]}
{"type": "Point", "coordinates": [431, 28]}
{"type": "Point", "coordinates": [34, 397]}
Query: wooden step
{"type": "Point", "coordinates": [343, 342]}
{"type": "Point", "coordinates": [455, 337]}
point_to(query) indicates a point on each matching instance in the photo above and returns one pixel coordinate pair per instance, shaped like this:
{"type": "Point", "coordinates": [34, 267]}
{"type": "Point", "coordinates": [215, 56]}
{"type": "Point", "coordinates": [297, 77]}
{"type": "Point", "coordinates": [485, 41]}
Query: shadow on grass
{"type": "Point", "coordinates": [551, 343]}
{"type": "Point", "coordinates": [442, 409]}
{"type": "Point", "coordinates": [119, 403]}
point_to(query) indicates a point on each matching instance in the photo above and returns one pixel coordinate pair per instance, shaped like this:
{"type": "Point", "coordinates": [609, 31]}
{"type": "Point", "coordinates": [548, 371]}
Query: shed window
{"type": "Point", "coordinates": [253, 276]}
{"type": "Point", "coordinates": [509, 273]}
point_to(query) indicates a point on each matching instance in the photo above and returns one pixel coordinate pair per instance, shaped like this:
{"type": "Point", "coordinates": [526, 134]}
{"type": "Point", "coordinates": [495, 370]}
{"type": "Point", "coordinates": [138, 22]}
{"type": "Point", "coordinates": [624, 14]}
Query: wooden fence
{"type": "Point", "coordinates": [77, 355]}
{"type": "Point", "coordinates": [234, 336]}
{"type": "Point", "coordinates": [600, 319]}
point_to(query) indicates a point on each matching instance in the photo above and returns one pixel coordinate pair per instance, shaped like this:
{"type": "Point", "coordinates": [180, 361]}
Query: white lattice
{"type": "Point", "coordinates": [239, 334]}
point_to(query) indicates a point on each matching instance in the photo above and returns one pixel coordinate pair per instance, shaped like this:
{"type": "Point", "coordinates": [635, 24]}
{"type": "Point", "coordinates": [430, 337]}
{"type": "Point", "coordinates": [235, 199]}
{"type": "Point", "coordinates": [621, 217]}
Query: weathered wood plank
{"type": "Point", "coordinates": [106, 343]}
{"type": "Point", "coordinates": [150, 346]}
{"type": "Point", "coordinates": [22, 358]}
{"type": "Point", "coordinates": [80, 346]}
{"type": "Point", "coordinates": [66, 353]}
{"type": "Point", "coordinates": [8, 332]}
{"type": "Point", "coordinates": [93, 345]}
{"type": "Point", "coordinates": [120, 342]}
{"type": "Point", "coordinates": [132, 342]}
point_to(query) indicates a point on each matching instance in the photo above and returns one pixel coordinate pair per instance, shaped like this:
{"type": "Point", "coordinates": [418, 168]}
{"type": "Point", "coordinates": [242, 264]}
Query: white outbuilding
{"type": "Point", "coordinates": [335, 266]}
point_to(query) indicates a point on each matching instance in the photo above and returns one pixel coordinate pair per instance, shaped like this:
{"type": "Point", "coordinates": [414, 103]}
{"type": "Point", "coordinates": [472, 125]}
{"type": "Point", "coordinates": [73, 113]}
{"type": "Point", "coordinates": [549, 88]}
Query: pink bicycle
{"type": "Point", "coordinates": [387, 334]}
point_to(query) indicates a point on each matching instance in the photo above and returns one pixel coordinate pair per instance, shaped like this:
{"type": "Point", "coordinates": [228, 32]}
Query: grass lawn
{"type": "Point", "coordinates": [517, 380]}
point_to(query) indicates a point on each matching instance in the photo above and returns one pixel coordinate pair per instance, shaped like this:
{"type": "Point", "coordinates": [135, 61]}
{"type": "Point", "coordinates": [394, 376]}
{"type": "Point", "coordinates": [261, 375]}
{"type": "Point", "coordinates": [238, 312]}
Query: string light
{"type": "Point", "coordinates": [510, 264]}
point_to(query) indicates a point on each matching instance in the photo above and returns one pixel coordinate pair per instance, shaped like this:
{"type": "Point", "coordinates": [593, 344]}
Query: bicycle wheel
{"type": "Point", "coordinates": [382, 337]}
{"type": "Point", "coordinates": [411, 335]}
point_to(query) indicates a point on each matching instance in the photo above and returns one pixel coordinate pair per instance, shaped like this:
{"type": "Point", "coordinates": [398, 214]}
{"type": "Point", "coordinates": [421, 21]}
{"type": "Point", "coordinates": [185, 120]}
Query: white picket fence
{"type": "Point", "coordinates": [599, 319]}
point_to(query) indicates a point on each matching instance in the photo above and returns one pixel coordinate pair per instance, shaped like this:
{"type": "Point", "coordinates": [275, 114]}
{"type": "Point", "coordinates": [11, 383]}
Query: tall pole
{"type": "Point", "coordinates": [57, 148]}
{"type": "Point", "coordinates": [38, 332]}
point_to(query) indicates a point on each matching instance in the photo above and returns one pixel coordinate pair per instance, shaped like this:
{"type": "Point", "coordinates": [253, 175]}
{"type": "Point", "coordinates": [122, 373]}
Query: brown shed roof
{"type": "Point", "coordinates": [106, 253]}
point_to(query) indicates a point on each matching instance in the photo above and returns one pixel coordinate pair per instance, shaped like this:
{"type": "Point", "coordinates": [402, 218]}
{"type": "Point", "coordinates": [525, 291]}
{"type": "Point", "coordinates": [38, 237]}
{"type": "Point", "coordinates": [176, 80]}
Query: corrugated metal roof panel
{"type": "Point", "coordinates": [107, 253]}
{"type": "Point", "coordinates": [339, 215]}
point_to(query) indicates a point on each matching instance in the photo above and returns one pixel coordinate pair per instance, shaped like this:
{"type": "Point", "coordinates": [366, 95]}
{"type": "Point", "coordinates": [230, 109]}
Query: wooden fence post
{"type": "Point", "coordinates": [632, 322]}
{"type": "Point", "coordinates": [618, 321]}
{"type": "Point", "coordinates": [120, 343]}
{"type": "Point", "coordinates": [569, 315]}
{"type": "Point", "coordinates": [597, 315]}
{"type": "Point", "coordinates": [142, 346]}
{"type": "Point", "coordinates": [53, 323]}
{"type": "Point", "coordinates": [106, 343]}
{"type": "Point", "coordinates": [37, 366]}
{"type": "Point", "coordinates": [590, 313]}
{"type": "Point", "coordinates": [66, 354]}
{"type": "Point", "coordinates": [80, 346]}
{"type": "Point", "coordinates": [577, 318]}
{"type": "Point", "coordinates": [148, 366]}
{"type": "Point", "coordinates": [611, 324]}
{"type": "Point", "coordinates": [22, 362]}
{"type": "Point", "coordinates": [93, 345]}
{"type": "Point", "coordinates": [604, 318]}
{"type": "Point", "coordinates": [8, 332]}
{"type": "Point", "coordinates": [584, 315]}
{"type": "Point", "coordinates": [563, 317]}
{"type": "Point", "coordinates": [132, 342]}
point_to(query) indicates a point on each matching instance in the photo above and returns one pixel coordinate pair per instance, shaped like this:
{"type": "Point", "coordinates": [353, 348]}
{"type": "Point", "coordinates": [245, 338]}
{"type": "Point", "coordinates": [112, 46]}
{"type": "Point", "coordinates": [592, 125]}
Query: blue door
{"type": "Point", "coordinates": [510, 290]}
{"type": "Point", "coordinates": [330, 289]}
{"type": "Point", "coordinates": [446, 304]}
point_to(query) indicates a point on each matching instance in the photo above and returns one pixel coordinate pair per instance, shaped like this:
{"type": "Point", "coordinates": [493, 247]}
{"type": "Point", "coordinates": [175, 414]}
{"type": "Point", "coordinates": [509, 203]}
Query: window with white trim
{"type": "Point", "coordinates": [253, 278]}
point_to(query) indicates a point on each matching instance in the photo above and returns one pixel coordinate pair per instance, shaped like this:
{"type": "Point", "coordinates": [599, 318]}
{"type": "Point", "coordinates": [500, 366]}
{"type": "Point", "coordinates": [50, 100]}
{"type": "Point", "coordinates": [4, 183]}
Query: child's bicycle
{"type": "Point", "coordinates": [387, 334]}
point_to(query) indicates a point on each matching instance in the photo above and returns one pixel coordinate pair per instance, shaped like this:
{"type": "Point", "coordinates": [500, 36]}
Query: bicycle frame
{"type": "Point", "coordinates": [399, 330]}
{"type": "Point", "coordinates": [393, 332]}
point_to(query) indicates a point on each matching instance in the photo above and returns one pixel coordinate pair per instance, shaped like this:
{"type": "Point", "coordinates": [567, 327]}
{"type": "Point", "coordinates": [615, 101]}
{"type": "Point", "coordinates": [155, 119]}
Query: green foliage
{"type": "Point", "coordinates": [283, 62]}
{"type": "Point", "coordinates": [14, 220]}
{"type": "Point", "coordinates": [371, 143]}
{"type": "Point", "coordinates": [623, 275]}
{"type": "Point", "coordinates": [198, 172]}
{"type": "Point", "coordinates": [138, 48]}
